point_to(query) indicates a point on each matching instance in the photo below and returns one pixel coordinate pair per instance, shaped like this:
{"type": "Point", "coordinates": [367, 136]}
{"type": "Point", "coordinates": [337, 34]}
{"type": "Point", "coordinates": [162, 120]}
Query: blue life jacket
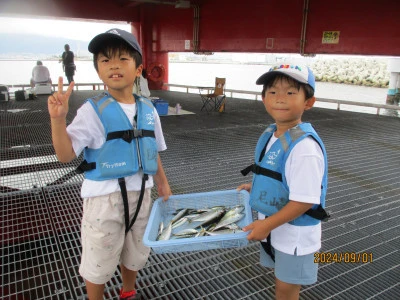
{"type": "Point", "coordinates": [270, 191]}
{"type": "Point", "coordinates": [127, 149]}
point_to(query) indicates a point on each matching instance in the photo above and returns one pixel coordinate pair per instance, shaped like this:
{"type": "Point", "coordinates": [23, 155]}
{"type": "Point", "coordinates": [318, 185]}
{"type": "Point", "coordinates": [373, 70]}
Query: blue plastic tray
{"type": "Point", "coordinates": [163, 212]}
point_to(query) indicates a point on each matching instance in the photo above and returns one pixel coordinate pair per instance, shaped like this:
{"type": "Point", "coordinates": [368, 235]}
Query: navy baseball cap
{"type": "Point", "coordinates": [300, 73]}
{"type": "Point", "coordinates": [114, 33]}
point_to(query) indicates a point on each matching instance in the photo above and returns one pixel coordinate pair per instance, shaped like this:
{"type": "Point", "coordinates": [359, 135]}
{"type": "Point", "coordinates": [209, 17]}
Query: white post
{"type": "Point", "coordinates": [394, 81]}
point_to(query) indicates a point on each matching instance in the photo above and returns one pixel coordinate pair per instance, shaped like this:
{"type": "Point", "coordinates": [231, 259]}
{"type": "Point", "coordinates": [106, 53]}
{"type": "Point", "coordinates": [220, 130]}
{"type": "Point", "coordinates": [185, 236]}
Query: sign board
{"type": "Point", "coordinates": [330, 37]}
{"type": "Point", "coordinates": [187, 44]}
{"type": "Point", "coordinates": [270, 43]}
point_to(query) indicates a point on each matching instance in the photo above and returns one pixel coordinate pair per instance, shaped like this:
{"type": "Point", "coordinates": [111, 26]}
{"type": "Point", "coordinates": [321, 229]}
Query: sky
{"type": "Point", "coordinates": [72, 29]}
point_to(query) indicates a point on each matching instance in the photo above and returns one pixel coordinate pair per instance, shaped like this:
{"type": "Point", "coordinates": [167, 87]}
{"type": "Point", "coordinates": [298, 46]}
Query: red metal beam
{"type": "Point", "coordinates": [273, 26]}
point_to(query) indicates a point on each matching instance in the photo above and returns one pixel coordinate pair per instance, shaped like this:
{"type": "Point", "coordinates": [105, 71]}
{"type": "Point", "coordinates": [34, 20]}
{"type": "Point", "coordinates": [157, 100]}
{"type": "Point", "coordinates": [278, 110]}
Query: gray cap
{"type": "Point", "coordinates": [114, 33]}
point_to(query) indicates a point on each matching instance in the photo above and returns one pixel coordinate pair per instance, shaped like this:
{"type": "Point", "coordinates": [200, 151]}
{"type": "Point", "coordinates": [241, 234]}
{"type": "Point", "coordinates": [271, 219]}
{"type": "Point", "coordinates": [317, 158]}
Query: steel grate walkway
{"type": "Point", "coordinates": [41, 207]}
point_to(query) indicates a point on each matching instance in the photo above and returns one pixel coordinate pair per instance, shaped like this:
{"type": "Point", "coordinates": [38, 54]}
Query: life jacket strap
{"type": "Point", "coordinates": [129, 135]}
{"type": "Point", "coordinates": [262, 171]}
{"type": "Point", "coordinates": [124, 193]}
{"type": "Point", "coordinates": [268, 247]}
{"type": "Point", "coordinates": [319, 213]}
{"type": "Point", "coordinates": [122, 185]}
{"type": "Point", "coordinates": [85, 166]}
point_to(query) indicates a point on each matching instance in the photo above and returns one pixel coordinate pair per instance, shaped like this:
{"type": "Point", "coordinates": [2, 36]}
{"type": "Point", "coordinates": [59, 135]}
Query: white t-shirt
{"type": "Point", "coordinates": [86, 130]}
{"type": "Point", "coordinates": [141, 88]}
{"type": "Point", "coordinates": [304, 170]}
{"type": "Point", "coordinates": [40, 74]}
{"type": "Point", "coordinates": [144, 87]}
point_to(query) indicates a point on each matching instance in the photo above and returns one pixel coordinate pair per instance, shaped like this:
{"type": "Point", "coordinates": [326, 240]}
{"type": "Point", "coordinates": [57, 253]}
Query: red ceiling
{"type": "Point", "coordinates": [365, 27]}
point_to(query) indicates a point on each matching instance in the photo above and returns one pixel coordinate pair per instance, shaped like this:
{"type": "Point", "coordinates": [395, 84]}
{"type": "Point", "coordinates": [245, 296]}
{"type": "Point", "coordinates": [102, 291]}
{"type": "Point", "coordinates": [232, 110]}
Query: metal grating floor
{"type": "Point", "coordinates": [41, 208]}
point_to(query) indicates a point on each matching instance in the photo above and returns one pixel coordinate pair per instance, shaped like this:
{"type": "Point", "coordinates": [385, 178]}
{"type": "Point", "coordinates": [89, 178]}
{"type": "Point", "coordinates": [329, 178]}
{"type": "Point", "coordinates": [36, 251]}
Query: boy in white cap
{"type": "Point", "coordinates": [289, 181]}
{"type": "Point", "coordinates": [121, 135]}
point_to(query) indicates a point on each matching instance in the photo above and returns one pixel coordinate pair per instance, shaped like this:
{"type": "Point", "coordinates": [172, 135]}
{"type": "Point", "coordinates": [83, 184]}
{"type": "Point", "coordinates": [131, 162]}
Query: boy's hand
{"type": "Point", "coordinates": [164, 191]}
{"type": "Point", "coordinates": [245, 186]}
{"type": "Point", "coordinates": [58, 102]}
{"type": "Point", "coordinates": [259, 230]}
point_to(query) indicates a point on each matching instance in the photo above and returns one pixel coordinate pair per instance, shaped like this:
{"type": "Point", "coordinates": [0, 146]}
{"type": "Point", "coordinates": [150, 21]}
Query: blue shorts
{"type": "Point", "coordinates": [291, 268]}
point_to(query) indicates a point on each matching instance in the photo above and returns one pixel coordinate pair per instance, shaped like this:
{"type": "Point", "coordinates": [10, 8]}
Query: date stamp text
{"type": "Point", "coordinates": [343, 257]}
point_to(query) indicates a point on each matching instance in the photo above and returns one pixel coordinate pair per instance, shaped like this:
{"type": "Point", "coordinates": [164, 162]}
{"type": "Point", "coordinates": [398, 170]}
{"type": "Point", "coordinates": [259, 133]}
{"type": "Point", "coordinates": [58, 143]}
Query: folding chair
{"type": "Point", "coordinates": [216, 99]}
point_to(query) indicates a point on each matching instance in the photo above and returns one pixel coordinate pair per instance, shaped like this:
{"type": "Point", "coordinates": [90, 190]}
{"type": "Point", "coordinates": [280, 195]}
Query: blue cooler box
{"type": "Point", "coordinates": [162, 211]}
{"type": "Point", "coordinates": [161, 106]}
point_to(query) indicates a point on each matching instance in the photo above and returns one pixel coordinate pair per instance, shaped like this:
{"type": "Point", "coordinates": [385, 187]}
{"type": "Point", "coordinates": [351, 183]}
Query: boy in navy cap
{"type": "Point", "coordinates": [289, 181]}
{"type": "Point", "coordinates": [121, 135]}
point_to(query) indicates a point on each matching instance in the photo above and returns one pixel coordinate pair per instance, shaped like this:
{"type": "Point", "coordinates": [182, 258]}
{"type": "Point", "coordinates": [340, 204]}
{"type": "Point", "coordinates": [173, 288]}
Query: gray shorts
{"type": "Point", "coordinates": [289, 268]}
{"type": "Point", "coordinates": [104, 243]}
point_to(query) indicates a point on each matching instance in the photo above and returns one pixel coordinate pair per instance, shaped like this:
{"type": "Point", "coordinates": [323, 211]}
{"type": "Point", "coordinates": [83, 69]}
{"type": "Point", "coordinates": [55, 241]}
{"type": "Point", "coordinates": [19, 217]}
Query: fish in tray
{"type": "Point", "coordinates": [165, 234]}
{"type": "Point", "coordinates": [224, 231]}
{"type": "Point", "coordinates": [188, 223]}
{"type": "Point", "coordinates": [180, 214]}
{"type": "Point", "coordinates": [229, 219]}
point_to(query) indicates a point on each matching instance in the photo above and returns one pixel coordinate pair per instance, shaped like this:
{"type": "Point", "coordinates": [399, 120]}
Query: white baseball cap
{"type": "Point", "coordinates": [300, 73]}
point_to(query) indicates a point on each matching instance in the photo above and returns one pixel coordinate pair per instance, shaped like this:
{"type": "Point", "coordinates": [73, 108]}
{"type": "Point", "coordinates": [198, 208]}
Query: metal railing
{"type": "Point", "coordinates": [93, 85]}
{"type": "Point", "coordinates": [257, 96]}
{"type": "Point", "coordinates": [231, 92]}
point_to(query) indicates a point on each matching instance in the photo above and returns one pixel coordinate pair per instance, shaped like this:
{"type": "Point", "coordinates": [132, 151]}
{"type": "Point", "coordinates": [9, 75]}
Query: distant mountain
{"type": "Point", "coordinates": [17, 45]}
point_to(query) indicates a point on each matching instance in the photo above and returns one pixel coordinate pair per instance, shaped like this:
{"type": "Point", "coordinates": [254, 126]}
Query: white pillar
{"type": "Point", "coordinates": [394, 81]}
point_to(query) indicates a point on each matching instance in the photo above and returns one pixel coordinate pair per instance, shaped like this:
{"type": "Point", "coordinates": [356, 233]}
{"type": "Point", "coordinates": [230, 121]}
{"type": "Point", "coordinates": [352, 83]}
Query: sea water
{"type": "Point", "coordinates": [239, 76]}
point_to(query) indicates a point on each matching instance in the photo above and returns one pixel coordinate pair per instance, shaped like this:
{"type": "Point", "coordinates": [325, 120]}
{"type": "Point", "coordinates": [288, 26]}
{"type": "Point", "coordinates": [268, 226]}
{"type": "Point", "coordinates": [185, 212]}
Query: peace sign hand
{"type": "Point", "coordinates": [58, 102]}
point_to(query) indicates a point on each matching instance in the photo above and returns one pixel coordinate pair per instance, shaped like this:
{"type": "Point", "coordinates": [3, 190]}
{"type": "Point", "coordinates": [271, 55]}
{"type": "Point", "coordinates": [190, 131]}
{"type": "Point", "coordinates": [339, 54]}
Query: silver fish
{"type": "Point", "coordinates": [225, 231]}
{"type": "Point", "coordinates": [229, 226]}
{"type": "Point", "coordinates": [202, 210]}
{"type": "Point", "coordinates": [175, 237]}
{"type": "Point", "coordinates": [201, 233]}
{"type": "Point", "coordinates": [161, 228]}
{"type": "Point", "coordinates": [209, 218]}
{"type": "Point", "coordinates": [192, 216]}
{"type": "Point", "coordinates": [166, 234]}
{"type": "Point", "coordinates": [180, 222]}
{"type": "Point", "coordinates": [179, 215]}
{"type": "Point", "coordinates": [186, 231]}
{"type": "Point", "coordinates": [235, 210]}
{"type": "Point", "coordinates": [209, 215]}
{"type": "Point", "coordinates": [229, 220]}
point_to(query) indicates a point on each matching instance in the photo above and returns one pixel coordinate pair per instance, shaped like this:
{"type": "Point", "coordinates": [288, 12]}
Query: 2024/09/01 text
{"type": "Point", "coordinates": [343, 257]}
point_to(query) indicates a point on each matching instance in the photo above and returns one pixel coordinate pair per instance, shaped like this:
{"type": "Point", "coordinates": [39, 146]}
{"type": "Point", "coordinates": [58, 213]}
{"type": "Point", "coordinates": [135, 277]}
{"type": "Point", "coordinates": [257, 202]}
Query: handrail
{"type": "Point", "coordinates": [95, 85]}
{"type": "Point", "coordinates": [258, 94]}
{"type": "Point", "coordinates": [98, 86]}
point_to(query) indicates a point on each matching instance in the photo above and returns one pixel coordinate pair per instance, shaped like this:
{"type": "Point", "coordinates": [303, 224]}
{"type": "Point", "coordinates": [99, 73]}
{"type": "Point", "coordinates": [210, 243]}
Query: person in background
{"type": "Point", "coordinates": [144, 86]}
{"type": "Point", "coordinates": [121, 136]}
{"type": "Point", "coordinates": [40, 74]}
{"type": "Point", "coordinates": [289, 181]}
{"type": "Point", "coordinates": [69, 67]}
{"type": "Point", "coordinates": [141, 87]}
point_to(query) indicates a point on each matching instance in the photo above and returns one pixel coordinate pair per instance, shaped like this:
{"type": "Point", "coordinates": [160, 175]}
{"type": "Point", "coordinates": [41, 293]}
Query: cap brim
{"type": "Point", "coordinates": [267, 76]}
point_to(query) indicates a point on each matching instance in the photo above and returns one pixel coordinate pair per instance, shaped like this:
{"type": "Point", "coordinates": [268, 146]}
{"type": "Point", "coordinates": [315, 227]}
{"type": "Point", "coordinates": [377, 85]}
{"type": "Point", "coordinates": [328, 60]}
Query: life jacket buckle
{"type": "Point", "coordinates": [128, 136]}
{"type": "Point", "coordinates": [137, 133]}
